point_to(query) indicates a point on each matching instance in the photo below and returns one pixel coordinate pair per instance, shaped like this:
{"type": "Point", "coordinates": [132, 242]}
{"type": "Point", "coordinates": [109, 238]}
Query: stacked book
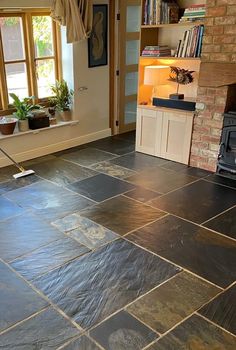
{"type": "Point", "coordinates": [160, 11]}
{"type": "Point", "coordinates": [194, 13]}
{"type": "Point", "coordinates": [191, 43]}
{"type": "Point", "coordinates": [156, 51]}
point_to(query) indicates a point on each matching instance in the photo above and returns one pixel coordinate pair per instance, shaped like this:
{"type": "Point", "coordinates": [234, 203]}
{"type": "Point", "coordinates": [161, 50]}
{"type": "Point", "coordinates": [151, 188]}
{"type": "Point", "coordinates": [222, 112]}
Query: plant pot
{"type": "Point", "coordinates": [23, 125]}
{"type": "Point", "coordinates": [65, 116]}
{"type": "Point", "coordinates": [7, 125]}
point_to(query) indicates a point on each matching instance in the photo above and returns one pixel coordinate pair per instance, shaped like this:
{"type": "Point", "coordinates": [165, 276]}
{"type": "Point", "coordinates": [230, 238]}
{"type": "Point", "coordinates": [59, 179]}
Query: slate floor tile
{"type": "Point", "coordinates": [8, 209]}
{"type": "Point", "coordinates": [127, 136]}
{"type": "Point", "coordinates": [62, 172]}
{"type": "Point", "coordinates": [142, 194]}
{"type": "Point", "coordinates": [88, 156]}
{"type": "Point", "coordinates": [222, 310]}
{"type": "Point", "coordinates": [6, 173]}
{"type": "Point", "coordinates": [83, 343]}
{"type": "Point", "coordinates": [92, 287]}
{"type": "Point", "coordinates": [197, 202]}
{"type": "Point", "coordinates": [222, 180]}
{"type": "Point", "coordinates": [160, 180]}
{"type": "Point", "coordinates": [24, 234]}
{"type": "Point", "coordinates": [138, 161]}
{"type": "Point", "coordinates": [17, 299]}
{"type": "Point", "coordinates": [199, 250]}
{"type": "Point", "coordinates": [185, 169]}
{"type": "Point", "coordinates": [101, 187]}
{"type": "Point", "coordinates": [113, 145]}
{"type": "Point", "coordinates": [195, 334]}
{"type": "Point", "coordinates": [113, 170]}
{"type": "Point", "coordinates": [174, 300]}
{"type": "Point", "coordinates": [48, 257]}
{"type": "Point", "coordinates": [122, 214]}
{"type": "Point", "coordinates": [224, 223]}
{"type": "Point", "coordinates": [123, 331]}
{"type": "Point", "coordinates": [49, 201]}
{"type": "Point", "coordinates": [12, 185]}
{"type": "Point", "coordinates": [47, 330]}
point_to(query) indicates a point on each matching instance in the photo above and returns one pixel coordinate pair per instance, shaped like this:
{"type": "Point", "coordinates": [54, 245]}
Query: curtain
{"type": "Point", "coordinates": [76, 15]}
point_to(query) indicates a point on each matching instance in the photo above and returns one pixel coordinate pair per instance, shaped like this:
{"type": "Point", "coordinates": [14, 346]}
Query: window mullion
{"type": "Point", "coordinates": [3, 81]}
{"type": "Point", "coordinates": [57, 50]}
{"type": "Point", "coordinates": [30, 56]}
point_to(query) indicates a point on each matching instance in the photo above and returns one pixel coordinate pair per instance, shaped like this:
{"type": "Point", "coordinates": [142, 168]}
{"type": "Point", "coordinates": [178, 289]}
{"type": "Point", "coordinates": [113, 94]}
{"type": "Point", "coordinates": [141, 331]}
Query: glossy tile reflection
{"type": "Point", "coordinates": [9, 208]}
{"type": "Point", "coordinates": [121, 273]}
{"type": "Point", "coordinates": [88, 156]}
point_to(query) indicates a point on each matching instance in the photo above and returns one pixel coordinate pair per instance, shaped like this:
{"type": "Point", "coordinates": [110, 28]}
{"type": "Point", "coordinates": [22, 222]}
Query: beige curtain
{"type": "Point", "coordinates": [76, 15]}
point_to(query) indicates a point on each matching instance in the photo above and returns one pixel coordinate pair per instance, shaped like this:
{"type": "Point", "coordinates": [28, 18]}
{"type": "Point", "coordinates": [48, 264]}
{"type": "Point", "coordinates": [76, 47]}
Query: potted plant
{"type": "Point", "coordinates": [62, 99]}
{"type": "Point", "coordinates": [23, 110]}
{"type": "Point", "coordinates": [7, 125]}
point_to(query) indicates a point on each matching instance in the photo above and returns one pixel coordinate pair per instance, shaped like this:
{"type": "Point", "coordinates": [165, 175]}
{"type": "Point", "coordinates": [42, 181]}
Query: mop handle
{"type": "Point", "coordinates": [13, 161]}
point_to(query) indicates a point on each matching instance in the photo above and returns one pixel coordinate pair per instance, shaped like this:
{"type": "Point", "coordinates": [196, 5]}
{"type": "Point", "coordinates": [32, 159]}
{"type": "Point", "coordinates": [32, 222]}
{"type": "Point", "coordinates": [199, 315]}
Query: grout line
{"type": "Point", "coordinates": [140, 320]}
{"type": "Point", "coordinates": [43, 296]}
{"type": "Point", "coordinates": [215, 324]}
{"type": "Point", "coordinates": [223, 212]}
{"type": "Point", "coordinates": [219, 184]}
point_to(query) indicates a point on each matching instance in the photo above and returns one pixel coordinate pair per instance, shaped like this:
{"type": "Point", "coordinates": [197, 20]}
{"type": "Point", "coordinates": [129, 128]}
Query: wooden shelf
{"type": "Point", "coordinates": [172, 58]}
{"type": "Point", "coordinates": [181, 24]}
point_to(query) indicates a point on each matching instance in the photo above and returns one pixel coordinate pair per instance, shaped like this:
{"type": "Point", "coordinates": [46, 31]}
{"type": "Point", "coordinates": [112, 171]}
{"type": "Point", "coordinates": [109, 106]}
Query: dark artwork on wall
{"type": "Point", "coordinates": [97, 43]}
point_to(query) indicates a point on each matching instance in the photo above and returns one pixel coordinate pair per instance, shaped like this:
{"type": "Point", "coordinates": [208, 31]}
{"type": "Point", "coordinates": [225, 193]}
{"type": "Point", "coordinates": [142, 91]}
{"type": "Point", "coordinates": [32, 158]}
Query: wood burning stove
{"type": "Point", "coordinates": [227, 154]}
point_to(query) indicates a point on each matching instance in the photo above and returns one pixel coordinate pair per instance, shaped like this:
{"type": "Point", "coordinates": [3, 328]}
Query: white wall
{"type": "Point", "coordinates": [91, 107]}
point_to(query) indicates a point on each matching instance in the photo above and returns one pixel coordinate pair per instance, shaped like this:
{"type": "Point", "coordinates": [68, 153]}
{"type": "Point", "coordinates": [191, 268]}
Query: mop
{"type": "Point", "coordinates": [23, 172]}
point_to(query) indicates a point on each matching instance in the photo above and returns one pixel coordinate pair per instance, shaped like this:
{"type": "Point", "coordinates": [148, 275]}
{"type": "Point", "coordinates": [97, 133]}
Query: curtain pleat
{"type": "Point", "coordinates": [76, 15]}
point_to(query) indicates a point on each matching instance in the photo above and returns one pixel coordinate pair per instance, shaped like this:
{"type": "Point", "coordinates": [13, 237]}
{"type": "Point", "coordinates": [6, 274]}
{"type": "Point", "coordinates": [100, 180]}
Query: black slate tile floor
{"type": "Point", "coordinates": [47, 231]}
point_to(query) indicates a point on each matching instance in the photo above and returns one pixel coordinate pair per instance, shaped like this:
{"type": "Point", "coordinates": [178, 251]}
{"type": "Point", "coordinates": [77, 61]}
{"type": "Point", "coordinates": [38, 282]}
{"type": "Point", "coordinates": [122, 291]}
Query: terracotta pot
{"type": "Point", "coordinates": [23, 125]}
{"type": "Point", "coordinates": [65, 116]}
{"type": "Point", "coordinates": [7, 125]}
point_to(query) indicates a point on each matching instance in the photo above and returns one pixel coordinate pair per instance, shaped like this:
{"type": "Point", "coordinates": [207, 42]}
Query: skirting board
{"type": "Point", "coordinates": [42, 151]}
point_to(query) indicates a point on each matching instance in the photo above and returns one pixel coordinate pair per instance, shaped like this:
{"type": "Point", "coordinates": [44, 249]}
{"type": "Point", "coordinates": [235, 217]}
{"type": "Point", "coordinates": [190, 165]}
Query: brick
{"type": "Point", "coordinates": [198, 159]}
{"type": "Point", "coordinates": [216, 132]}
{"type": "Point", "coordinates": [209, 21]}
{"type": "Point", "coordinates": [233, 58]}
{"type": "Point", "coordinates": [196, 136]}
{"type": "Point", "coordinates": [207, 39]}
{"type": "Point", "coordinates": [214, 147]}
{"type": "Point", "coordinates": [195, 151]}
{"type": "Point", "coordinates": [211, 91]}
{"type": "Point", "coordinates": [209, 154]}
{"type": "Point", "coordinates": [205, 57]}
{"type": "Point", "coordinates": [200, 145]}
{"type": "Point", "coordinates": [211, 139]}
{"type": "Point", "coordinates": [220, 57]}
{"type": "Point", "coordinates": [212, 123]}
{"type": "Point", "coordinates": [220, 100]}
{"type": "Point", "coordinates": [218, 116]}
{"type": "Point", "coordinates": [211, 48]}
{"type": "Point", "coordinates": [230, 29]}
{"type": "Point", "coordinates": [231, 10]}
{"type": "Point", "coordinates": [201, 90]}
{"type": "Point", "coordinates": [210, 3]}
{"type": "Point", "coordinates": [214, 30]}
{"type": "Point", "coordinates": [229, 48]}
{"type": "Point", "coordinates": [216, 11]}
{"type": "Point", "coordinates": [202, 129]}
{"type": "Point", "coordinates": [224, 20]}
{"type": "Point", "coordinates": [222, 39]}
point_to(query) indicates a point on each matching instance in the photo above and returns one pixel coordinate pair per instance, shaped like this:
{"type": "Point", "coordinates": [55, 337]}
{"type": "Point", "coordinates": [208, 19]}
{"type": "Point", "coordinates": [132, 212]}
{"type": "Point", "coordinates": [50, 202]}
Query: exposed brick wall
{"type": "Point", "coordinates": [219, 45]}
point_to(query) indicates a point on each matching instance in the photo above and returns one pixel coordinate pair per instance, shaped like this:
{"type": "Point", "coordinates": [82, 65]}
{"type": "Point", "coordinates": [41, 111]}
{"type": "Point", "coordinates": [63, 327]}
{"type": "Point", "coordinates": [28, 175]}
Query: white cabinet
{"type": "Point", "coordinates": [164, 133]}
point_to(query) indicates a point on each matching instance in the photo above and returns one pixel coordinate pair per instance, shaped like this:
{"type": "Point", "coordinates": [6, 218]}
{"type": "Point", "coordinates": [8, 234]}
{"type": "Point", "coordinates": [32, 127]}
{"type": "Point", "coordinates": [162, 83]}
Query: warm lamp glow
{"type": "Point", "coordinates": [155, 75]}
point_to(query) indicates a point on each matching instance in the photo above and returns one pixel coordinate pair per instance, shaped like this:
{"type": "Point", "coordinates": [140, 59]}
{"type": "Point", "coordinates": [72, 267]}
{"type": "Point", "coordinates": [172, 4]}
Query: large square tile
{"type": "Point", "coordinates": [47, 330]}
{"type": "Point", "coordinates": [138, 161]}
{"type": "Point", "coordinates": [101, 187]}
{"type": "Point", "coordinates": [23, 234]}
{"type": "Point", "coordinates": [83, 343]}
{"type": "Point", "coordinates": [12, 185]}
{"type": "Point", "coordinates": [48, 257]}
{"type": "Point", "coordinates": [197, 202]}
{"type": "Point", "coordinates": [224, 223]}
{"type": "Point", "coordinates": [221, 180]}
{"type": "Point", "coordinates": [49, 201]}
{"type": "Point", "coordinates": [142, 194]}
{"type": "Point", "coordinates": [6, 173]}
{"type": "Point", "coordinates": [222, 310]}
{"type": "Point", "coordinates": [112, 170]}
{"type": "Point", "coordinates": [122, 214]}
{"type": "Point", "coordinates": [127, 136]}
{"type": "Point", "coordinates": [196, 334]}
{"type": "Point", "coordinates": [114, 145]}
{"type": "Point", "coordinates": [88, 156]}
{"type": "Point", "coordinates": [92, 287]}
{"type": "Point", "coordinates": [203, 252]}
{"type": "Point", "coordinates": [8, 208]}
{"type": "Point", "coordinates": [161, 180]}
{"type": "Point", "coordinates": [123, 331]}
{"type": "Point", "coordinates": [173, 301]}
{"type": "Point", "coordinates": [86, 231]}
{"type": "Point", "coordinates": [62, 172]}
{"type": "Point", "coordinates": [17, 300]}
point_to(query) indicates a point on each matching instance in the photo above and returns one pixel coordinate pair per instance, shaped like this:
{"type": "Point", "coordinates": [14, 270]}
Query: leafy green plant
{"type": "Point", "coordinates": [24, 107]}
{"type": "Point", "coordinates": [62, 98]}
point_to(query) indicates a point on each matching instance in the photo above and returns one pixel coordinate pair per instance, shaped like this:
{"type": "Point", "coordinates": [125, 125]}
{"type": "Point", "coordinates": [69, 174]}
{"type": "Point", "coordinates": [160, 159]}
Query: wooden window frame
{"type": "Point", "coordinates": [30, 59]}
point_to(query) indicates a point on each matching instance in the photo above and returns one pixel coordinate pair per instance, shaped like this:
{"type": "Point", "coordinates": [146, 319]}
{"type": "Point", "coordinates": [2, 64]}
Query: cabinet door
{"type": "Point", "coordinates": [148, 131]}
{"type": "Point", "coordinates": [176, 136]}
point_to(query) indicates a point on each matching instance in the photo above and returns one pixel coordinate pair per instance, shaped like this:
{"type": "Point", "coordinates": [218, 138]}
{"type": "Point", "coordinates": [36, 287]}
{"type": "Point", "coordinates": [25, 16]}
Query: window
{"type": "Point", "coordinates": [29, 56]}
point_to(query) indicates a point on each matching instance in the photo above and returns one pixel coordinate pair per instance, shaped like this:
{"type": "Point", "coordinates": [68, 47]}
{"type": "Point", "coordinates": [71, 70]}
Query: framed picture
{"type": "Point", "coordinates": [97, 43]}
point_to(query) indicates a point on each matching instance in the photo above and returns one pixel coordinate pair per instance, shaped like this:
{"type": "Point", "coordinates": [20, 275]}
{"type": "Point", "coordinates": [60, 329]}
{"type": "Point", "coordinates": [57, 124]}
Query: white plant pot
{"type": "Point", "coordinates": [23, 125]}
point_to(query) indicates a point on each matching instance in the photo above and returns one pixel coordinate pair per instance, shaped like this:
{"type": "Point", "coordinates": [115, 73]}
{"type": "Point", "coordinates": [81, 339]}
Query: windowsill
{"type": "Point", "coordinates": [37, 131]}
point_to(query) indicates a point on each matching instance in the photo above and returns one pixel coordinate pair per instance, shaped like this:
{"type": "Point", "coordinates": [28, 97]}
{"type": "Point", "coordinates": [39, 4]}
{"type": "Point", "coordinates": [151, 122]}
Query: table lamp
{"type": "Point", "coordinates": [155, 76]}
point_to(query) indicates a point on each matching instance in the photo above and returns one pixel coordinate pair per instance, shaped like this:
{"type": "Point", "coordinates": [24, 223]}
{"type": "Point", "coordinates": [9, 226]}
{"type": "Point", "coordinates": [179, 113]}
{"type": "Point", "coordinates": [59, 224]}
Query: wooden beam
{"type": "Point", "coordinates": [217, 74]}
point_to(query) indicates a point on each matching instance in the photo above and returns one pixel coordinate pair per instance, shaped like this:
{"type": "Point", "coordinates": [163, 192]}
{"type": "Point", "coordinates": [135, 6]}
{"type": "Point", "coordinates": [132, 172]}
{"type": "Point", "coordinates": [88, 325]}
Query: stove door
{"type": "Point", "coordinates": [228, 146]}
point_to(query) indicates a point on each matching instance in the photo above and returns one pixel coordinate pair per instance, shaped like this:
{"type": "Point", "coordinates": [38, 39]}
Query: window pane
{"type": "Point", "coordinates": [132, 52]}
{"type": "Point", "coordinates": [133, 20]}
{"type": "Point", "coordinates": [42, 31]}
{"type": "Point", "coordinates": [45, 77]}
{"type": "Point", "coordinates": [130, 112]}
{"type": "Point", "coordinates": [17, 79]}
{"type": "Point", "coordinates": [12, 38]}
{"type": "Point", "coordinates": [131, 83]}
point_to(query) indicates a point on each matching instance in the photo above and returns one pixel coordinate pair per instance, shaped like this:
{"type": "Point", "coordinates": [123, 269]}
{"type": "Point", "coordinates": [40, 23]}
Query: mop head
{"type": "Point", "coordinates": [23, 173]}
